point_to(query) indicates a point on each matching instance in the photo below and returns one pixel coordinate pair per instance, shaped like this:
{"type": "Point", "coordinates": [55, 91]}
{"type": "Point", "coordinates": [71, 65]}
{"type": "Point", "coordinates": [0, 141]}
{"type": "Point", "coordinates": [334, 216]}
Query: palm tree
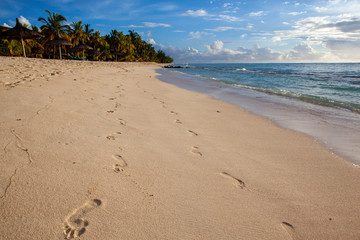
{"type": "Point", "coordinates": [87, 32]}
{"type": "Point", "coordinates": [130, 49]}
{"type": "Point", "coordinates": [76, 32]}
{"type": "Point", "coordinates": [14, 47]}
{"type": "Point", "coordinates": [96, 40]}
{"type": "Point", "coordinates": [53, 25]}
{"type": "Point", "coordinates": [115, 40]}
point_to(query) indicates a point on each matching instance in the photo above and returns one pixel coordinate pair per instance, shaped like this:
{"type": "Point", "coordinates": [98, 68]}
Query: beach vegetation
{"type": "Point", "coordinates": [115, 46]}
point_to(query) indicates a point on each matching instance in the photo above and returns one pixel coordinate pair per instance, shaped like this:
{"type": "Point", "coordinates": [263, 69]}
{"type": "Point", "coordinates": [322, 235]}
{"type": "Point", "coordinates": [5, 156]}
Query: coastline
{"type": "Point", "coordinates": [337, 129]}
{"type": "Point", "coordinates": [108, 151]}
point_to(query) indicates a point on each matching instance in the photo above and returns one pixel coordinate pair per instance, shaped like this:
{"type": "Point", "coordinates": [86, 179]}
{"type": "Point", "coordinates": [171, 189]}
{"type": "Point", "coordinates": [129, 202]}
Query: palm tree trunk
{"type": "Point", "coordinates": [22, 43]}
{"type": "Point", "coordinates": [60, 52]}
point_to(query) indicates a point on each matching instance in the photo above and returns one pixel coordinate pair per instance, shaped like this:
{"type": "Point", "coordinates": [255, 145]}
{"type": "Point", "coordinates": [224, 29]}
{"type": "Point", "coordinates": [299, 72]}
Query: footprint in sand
{"type": "Point", "coordinates": [120, 163]}
{"type": "Point", "coordinates": [193, 133]}
{"type": "Point", "coordinates": [75, 224]}
{"type": "Point", "coordinates": [122, 121]}
{"type": "Point", "coordinates": [113, 136]}
{"type": "Point", "coordinates": [110, 137]}
{"type": "Point", "coordinates": [195, 150]}
{"type": "Point", "coordinates": [289, 229]}
{"type": "Point", "coordinates": [117, 105]}
{"type": "Point", "coordinates": [178, 121]}
{"type": "Point", "coordinates": [237, 182]}
{"type": "Point", "coordinates": [172, 112]}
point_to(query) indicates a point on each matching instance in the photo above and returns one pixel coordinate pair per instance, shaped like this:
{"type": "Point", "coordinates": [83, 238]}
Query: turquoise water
{"type": "Point", "coordinates": [330, 84]}
{"type": "Point", "coordinates": [320, 100]}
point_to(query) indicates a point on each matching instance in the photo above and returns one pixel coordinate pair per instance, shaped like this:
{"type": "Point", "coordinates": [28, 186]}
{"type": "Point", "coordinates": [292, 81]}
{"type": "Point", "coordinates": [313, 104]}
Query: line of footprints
{"type": "Point", "coordinates": [236, 181]}
{"type": "Point", "coordinates": [75, 224]}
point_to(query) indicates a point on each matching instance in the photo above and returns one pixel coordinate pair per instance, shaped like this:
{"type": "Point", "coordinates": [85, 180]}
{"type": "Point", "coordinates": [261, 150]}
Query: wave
{"type": "Point", "coordinates": [305, 98]}
{"type": "Point", "coordinates": [328, 85]}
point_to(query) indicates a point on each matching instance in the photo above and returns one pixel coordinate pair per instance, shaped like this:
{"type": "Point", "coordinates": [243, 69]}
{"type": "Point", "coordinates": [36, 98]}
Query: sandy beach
{"type": "Point", "coordinates": [100, 150]}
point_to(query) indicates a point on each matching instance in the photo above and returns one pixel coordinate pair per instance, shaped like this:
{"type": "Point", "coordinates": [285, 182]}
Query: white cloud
{"type": "Point", "coordinates": [303, 52]}
{"type": "Point", "coordinates": [340, 7]}
{"type": "Point", "coordinates": [223, 29]}
{"type": "Point", "coordinates": [250, 26]}
{"type": "Point", "coordinates": [215, 47]}
{"type": "Point", "coordinates": [6, 25]}
{"type": "Point", "coordinates": [23, 21]}
{"type": "Point", "coordinates": [152, 25]}
{"type": "Point", "coordinates": [216, 52]}
{"type": "Point", "coordinates": [323, 29]}
{"type": "Point", "coordinates": [197, 34]}
{"type": "Point", "coordinates": [192, 50]}
{"type": "Point", "coordinates": [196, 13]}
{"type": "Point", "coordinates": [276, 39]}
{"type": "Point", "coordinates": [243, 35]}
{"type": "Point", "coordinates": [135, 26]}
{"type": "Point", "coordinates": [229, 18]}
{"type": "Point", "coordinates": [286, 23]}
{"type": "Point", "coordinates": [203, 13]}
{"type": "Point", "coordinates": [256, 14]}
{"type": "Point", "coordinates": [339, 36]}
{"type": "Point", "coordinates": [345, 49]}
{"type": "Point", "coordinates": [151, 41]}
{"type": "Point", "coordinates": [296, 13]}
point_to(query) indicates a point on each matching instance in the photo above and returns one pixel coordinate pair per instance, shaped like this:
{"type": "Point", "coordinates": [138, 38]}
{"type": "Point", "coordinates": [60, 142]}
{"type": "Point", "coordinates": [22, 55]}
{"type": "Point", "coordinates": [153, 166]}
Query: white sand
{"type": "Point", "coordinates": [107, 151]}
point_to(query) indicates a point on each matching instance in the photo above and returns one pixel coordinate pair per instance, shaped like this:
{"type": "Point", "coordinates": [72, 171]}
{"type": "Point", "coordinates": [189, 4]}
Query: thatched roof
{"type": "Point", "coordinates": [37, 50]}
{"type": "Point", "coordinates": [19, 32]}
{"type": "Point", "coordinates": [58, 41]}
{"type": "Point", "coordinates": [3, 28]}
{"type": "Point", "coordinates": [82, 47]}
{"type": "Point", "coordinates": [93, 52]}
{"type": "Point", "coordinates": [116, 53]}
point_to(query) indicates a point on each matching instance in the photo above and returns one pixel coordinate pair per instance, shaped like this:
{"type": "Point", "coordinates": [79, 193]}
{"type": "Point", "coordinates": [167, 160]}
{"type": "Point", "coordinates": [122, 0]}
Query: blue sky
{"type": "Point", "coordinates": [216, 30]}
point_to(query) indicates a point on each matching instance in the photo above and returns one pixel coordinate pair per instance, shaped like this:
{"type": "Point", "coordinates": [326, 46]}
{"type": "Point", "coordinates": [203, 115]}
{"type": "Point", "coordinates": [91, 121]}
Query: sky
{"type": "Point", "coordinates": [207, 31]}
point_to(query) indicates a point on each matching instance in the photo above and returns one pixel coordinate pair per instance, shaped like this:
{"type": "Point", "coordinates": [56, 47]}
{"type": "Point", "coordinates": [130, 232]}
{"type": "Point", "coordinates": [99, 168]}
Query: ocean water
{"type": "Point", "coordinates": [319, 99]}
{"type": "Point", "coordinates": [334, 84]}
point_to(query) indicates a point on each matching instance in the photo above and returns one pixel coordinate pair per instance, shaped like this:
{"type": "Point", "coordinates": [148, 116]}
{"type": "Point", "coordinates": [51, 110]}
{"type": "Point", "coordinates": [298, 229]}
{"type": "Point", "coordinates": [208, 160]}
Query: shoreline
{"type": "Point", "coordinates": [107, 151]}
{"type": "Point", "coordinates": [310, 119]}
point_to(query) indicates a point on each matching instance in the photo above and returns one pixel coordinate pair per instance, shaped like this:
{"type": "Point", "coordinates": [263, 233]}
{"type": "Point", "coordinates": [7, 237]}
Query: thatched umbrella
{"type": "Point", "coordinates": [37, 50]}
{"type": "Point", "coordinates": [116, 53]}
{"type": "Point", "coordinates": [104, 55]}
{"type": "Point", "coordinates": [93, 52]}
{"type": "Point", "coordinates": [3, 28]}
{"type": "Point", "coordinates": [59, 41]}
{"type": "Point", "coordinates": [82, 47]}
{"type": "Point", "coordinates": [20, 33]}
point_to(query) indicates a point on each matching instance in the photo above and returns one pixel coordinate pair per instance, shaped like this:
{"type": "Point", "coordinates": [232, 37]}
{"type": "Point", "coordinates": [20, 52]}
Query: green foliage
{"type": "Point", "coordinates": [115, 46]}
{"type": "Point", "coordinates": [53, 25]}
{"type": "Point", "coordinates": [162, 58]}
{"type": "Point", "coordinates": [10, 48]}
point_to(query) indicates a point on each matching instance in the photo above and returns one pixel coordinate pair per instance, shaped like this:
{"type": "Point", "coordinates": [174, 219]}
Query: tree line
{"type": "Point", "coordinates": [115, 46]}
